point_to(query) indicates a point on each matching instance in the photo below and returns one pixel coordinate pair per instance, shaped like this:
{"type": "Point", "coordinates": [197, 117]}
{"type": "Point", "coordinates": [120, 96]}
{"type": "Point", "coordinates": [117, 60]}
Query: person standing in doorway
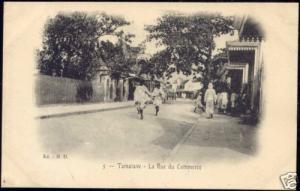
{"type": "Point", "coordinates": [210, 99]}
{"type": "Point", "coordinates": [228, 90]}
{"type": "Point", "coordinates": [141, 96]}
{"type": "Point", "coordinates": [233, 99]}
{"type": "Point", "coordinates": [223, 98]}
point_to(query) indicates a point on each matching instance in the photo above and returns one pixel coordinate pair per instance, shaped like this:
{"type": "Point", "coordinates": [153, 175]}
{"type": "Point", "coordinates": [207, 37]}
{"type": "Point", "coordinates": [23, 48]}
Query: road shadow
{"type": "Point", "coordinates": [225, 132]}
{"type": "Point", "coordinates": [173, 132]}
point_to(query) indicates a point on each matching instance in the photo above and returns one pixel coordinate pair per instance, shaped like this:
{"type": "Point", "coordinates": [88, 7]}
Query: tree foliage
{"type": "Point", "coordinates": [157, 65]}
{"type": "Point", "coordinates": [119, 56]}
{"type": "Point", "coordinates": [71, 45]}
{"type": "Point", "coordinates": [189, 41]}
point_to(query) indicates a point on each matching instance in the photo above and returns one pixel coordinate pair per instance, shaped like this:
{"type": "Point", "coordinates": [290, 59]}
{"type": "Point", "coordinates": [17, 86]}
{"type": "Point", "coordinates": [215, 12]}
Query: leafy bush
{"type": "Point", "coordinates": [84, 92]}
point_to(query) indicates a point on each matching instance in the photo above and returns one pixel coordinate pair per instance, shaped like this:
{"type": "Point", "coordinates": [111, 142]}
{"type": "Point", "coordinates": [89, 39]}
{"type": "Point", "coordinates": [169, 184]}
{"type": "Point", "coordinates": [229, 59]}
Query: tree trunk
{"type": "Point", "coordinates": [209, 60]}
{"type": "Point", "coordinates": [209, 66]}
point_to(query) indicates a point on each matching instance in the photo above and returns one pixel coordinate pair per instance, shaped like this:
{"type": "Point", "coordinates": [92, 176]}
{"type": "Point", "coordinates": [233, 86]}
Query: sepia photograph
{"type": "Point", "coordinates": [186, 95]}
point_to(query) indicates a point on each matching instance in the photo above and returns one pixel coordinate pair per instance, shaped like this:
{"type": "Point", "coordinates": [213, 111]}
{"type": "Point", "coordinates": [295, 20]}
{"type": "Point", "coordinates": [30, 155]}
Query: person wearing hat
{"type": "Point", "coordinates": [141, 96]}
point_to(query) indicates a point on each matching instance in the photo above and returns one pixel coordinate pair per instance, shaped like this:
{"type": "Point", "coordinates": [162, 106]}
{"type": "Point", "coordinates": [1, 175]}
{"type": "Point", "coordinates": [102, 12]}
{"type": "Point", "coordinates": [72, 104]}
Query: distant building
{"type": "Point", "coordinates": [188, 88]}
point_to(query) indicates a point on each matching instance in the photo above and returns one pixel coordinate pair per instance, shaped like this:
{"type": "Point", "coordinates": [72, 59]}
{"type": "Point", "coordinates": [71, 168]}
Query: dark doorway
{"type": "Point", "coordinates": [111, 89]}
{"type": "Point", "coordinates": [131, 89]}
{"type": "Point", "coordinates": [236, 79]}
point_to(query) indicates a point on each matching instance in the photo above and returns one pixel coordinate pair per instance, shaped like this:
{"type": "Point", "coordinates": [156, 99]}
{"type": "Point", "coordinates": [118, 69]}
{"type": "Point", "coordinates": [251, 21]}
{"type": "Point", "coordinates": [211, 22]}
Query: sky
{"type": "Point", "coordinates": [149, 18]}
{"type": "Point", "coordinates": [138, 14]}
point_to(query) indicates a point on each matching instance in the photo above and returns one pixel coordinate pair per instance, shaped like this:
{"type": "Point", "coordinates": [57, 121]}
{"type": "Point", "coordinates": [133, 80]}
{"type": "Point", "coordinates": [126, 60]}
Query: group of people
{"type": "Point", "coordinates": [210, 98]}
{"type": "Point", "coordinates": [142, 95]}
{"type": "Point", "coordinates": [225, 100]}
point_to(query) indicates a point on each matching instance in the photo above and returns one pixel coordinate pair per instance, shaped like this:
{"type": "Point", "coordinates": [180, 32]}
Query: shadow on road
{"type": "Point", "coordinates": [224, 132]}
{"type": "Point", "coordinates": [173, 132]}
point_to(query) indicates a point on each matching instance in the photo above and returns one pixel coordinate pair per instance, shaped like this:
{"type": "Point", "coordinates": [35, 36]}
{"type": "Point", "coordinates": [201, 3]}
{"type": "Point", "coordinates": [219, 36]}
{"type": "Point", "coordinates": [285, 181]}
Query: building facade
{"type": "Point", "coordinates": [108, 89]}
{"type": "Point", "coordinates": [245, 60]}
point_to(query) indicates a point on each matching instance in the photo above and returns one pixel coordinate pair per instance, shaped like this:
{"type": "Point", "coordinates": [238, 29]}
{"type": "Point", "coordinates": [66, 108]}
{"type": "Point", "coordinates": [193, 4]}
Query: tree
{"type": "Point", "coordinates": [71, 46]}
{"type": "Point", "coordinates": [118, 56]}
{"type": "Point", "coordinates": [157, 65]}
{"type": "Point", "coordinates": [189, 41]}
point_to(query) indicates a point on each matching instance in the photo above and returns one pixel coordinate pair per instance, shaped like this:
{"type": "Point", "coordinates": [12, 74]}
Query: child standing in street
{"type": "Point", "coordinates": [158, 98]}
{"type": "Point", "coordinates": [210, 99]}
{"type": "Point", "coordinates": [198, 102]}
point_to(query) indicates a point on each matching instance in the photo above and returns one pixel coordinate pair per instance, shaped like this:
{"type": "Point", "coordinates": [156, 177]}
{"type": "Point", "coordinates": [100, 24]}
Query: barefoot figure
{"type": "Point", "coordinates": [158, 97]}
{"type": "Point", "coordinates": [141, 96]}
{"type": "Point", "coordinates": [198, 102]}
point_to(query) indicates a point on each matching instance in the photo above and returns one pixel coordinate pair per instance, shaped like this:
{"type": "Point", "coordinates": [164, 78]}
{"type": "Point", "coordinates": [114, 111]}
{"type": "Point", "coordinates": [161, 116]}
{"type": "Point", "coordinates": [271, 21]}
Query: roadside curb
{"type": "Point", "coordinates": [182, 141]}
{"type": "Point", "coordinates": [82, 112]}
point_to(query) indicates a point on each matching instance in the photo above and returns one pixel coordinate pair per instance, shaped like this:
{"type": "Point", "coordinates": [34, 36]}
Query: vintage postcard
{"type": "Point", "coordinates": [150, 95]}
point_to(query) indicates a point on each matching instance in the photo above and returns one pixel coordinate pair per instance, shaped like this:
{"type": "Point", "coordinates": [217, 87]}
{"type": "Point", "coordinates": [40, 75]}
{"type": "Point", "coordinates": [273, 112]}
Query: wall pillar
{"type": "Point", "coordinates": [113, 89]}
{"type": "Point", "coordinates": [120, 89]}
{"type": "Point", "coordinates": [126, 90]}
{"type": "Point", "coordinates": [97, 89]}
{"type": "Point", "coordinates": [107, 88]}
{"type": "Point", "coordinates": [255, 78]}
